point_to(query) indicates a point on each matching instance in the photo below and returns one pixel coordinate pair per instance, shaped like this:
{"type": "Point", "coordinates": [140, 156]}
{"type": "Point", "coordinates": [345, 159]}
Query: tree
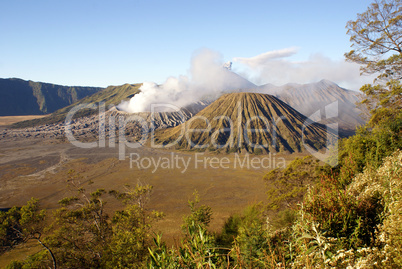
{"type": "Point", "coordinates": [80, 231]}
{"type": "Point", "coordinates": [198, 248]}
{"type": "Point", "coordinates": [377, 33]}
{"type": "Point", "coordinates": [376, 37]}
{"type": "Point", "coordinates": [200, 214]}
{"type": "Point", "coordinates": [19, 225]}
{"type": "Point", "coordinates": [131, 228]}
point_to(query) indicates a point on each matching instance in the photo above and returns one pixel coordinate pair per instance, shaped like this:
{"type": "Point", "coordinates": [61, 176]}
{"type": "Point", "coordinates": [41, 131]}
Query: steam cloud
{"type": "Point", "coordinates": [208, 79]}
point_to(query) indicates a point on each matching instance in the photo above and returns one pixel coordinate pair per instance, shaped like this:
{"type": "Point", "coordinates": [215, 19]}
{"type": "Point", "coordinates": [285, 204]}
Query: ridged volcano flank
{"type": "Point", "coordinates": [247, 121]}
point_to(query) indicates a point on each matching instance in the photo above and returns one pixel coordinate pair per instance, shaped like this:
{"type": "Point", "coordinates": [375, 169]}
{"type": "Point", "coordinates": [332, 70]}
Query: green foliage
{"type": "Point", "coordinates": [198, 249]}
{"type": "Point", "coordinates": [383, 101]}
{"type": "Point", "coordinates": [80, 231]}
{"type": "Point", "coordinates": [138, 195]}
{"type": "Point", "coordinates": [369, 147]}
{"type": "Point", "coordinates": [336, 226]}
{"type": "Point", "coordinates": [257, 244]}
{"type": "Point", "coordinates": [128, 246]}
{"type": "Point", "coordinates": [8, 235]}
{"type": "Point", "coordinates": [362, 232]}
{"type": "Point", "coordinates": [200, 214]}
{"type": "Point", "coordinates": [131, 229]}
{"type": "Point", "coordinates": [377, 33]}
{"type": "Point", "coordinates": [251, 238]}
{"type": "Point", "coordinates": [229, 232]}
{"type": "Point", "coordinates": [386, 182]}
{"type": "Point", "coordinates": [38, 260]}
{"type": "Point", "coordinates": [286, 187]}
{"type": "Point", "coordinates": [284, 218]}
{"type": "Point", "coordinates": [18, 225]}
{"type": "Point", "coordinates": [342, 216]}
{"type": "Point", "coordinates": [84, 235]}
{"type": "Point", "coordinates": [161, 256]}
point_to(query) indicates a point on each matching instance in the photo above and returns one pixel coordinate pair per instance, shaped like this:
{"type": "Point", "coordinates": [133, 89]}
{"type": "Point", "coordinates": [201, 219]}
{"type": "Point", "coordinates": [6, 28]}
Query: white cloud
{"type": "Point", "coordinates": [274, 67]}
{"type": "Point", "coordinates": [264, 58]}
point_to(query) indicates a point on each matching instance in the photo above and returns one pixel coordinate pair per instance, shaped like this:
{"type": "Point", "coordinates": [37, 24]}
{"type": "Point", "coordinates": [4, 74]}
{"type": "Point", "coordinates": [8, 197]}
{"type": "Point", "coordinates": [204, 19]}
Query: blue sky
{"type": "Point", "coordinates": [101, 43]}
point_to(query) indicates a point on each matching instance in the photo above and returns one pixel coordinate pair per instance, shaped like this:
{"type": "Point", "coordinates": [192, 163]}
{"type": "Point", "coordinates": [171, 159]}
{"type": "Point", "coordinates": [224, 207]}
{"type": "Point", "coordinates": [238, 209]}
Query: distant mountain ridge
{"type": "Point", "coordinates": [110, 96]}
{"type": "Point", "coordinates": [21, 97]}
{"type": "Point", "coordinates": [312, 97]}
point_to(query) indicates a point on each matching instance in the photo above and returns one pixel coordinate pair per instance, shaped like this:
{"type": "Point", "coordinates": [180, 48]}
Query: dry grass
{"type": "Point", "coordinates": [20, 252]}
{"type": "Point", "coordinates": [8, 120]}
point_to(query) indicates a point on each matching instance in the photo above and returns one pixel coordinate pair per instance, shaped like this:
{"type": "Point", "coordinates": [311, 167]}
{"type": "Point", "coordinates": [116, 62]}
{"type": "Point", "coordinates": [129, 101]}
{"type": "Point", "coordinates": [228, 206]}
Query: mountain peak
{"type": "Point", "coordinates": [246, 122]}
{"type": "Point", "coordinates": [327, 82]}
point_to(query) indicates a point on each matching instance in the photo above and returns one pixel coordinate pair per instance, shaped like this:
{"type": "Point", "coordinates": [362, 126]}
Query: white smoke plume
{"type": "Point", "coordinates": [208, 78]}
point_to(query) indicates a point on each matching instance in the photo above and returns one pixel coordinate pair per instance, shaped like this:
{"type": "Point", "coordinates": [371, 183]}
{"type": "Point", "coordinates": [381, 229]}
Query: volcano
{"type": "Point", "coordinates": [247, 122]}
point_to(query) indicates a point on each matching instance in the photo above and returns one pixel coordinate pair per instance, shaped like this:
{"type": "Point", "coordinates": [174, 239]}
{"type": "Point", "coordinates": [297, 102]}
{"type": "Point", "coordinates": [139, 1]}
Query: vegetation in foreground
{"type": "Point", "coordinates": [335, 225]}
{"type": "Point", "coordinates": [316, 217]}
